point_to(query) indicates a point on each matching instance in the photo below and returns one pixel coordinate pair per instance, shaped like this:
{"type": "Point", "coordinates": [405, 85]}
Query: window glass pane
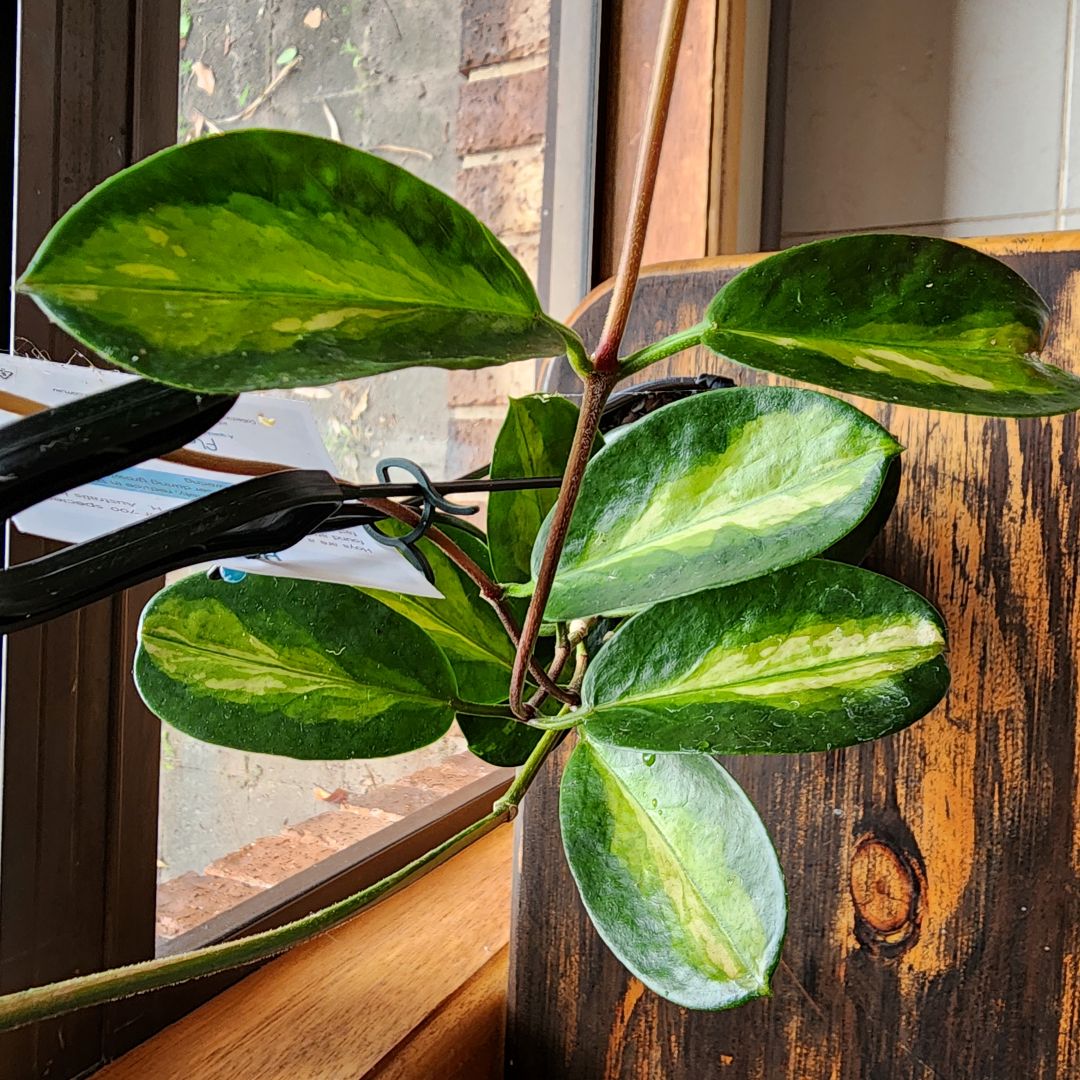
{"type": "Point", "coordinates": [456, 92]}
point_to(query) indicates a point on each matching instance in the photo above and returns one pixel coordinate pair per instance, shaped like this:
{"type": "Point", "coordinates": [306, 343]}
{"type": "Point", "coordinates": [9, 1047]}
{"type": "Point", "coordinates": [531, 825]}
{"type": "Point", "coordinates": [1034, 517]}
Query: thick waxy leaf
{"type": "Point", "coordinates": [716, 489]}
{"type": "Point", "coordinates": [534, 440]}
{"type": "Point", "coordinates": [814, 657]}
{"type": "Point", "coordinates": [268, 258]}
{"type": "Point", "coordinates": [853, 547]}
{"type": "Point", "coordinates": [462, 624]}
{"type": "Point", "coordinates": [676, 871]}
{"type": "Point", "coordinates": [298, 668]}
{"type": "Point", "coordinates": [498, 742]}
{"type": "Point", "coordinates": [911, 319]}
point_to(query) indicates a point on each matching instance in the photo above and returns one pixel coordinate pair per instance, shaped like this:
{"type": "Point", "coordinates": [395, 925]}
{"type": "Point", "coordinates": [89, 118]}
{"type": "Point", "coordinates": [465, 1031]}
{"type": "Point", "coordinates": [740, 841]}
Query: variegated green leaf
{"type": "Point", "coordinates": [911, 319]}
{"type": "Point", "coordinates": [462, 624]}
{"type": "Point", "coordinates": [814, 657]}
{"type": "Point", "coordinates": [498, 742]}
{"type": "Point", "coordinates": [716, 489]}
{"type": "Point", "coordinates": [534, 440]}
{"type": "Point", "coordinates": [297, 668]}
{"type": "Point", "coordinates": [676, 871]}
{"type": "Point", "coordinates": [269, 258]}
{"type": "Point", "coordinates": [854, 547]}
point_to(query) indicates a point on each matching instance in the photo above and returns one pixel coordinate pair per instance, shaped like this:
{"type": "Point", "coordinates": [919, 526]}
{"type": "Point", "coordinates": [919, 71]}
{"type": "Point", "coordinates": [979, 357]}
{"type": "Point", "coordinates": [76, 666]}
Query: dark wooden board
{"type": "Point", "coordinates": [932, 875]}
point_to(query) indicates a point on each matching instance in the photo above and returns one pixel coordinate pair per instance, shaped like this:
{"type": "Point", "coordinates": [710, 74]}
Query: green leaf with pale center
{"type": "Point", "coordinates": [262, 259]}
{"type": "Point", "coordinates": [676, 871]}
{"type": "Point", "coordinates": [297, 668]}
{"type": "Point", "coordinates": [534, 440]}
{"type": "Point", "coordinates": [911, 319]}
{"type": "Point", "coordinates": [462, 624]}
{"type": "Point", "coordinates": [814, 657]}
{"type": "Point", "coordinates": [499, 742]}
{"type": "Point", "coordinates": [712, 490]}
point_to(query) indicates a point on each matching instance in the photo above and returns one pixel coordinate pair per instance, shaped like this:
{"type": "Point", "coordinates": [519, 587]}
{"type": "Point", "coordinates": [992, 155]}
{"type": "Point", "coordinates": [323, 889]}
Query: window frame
{"type": "Point", "coordinates": [80, 752]}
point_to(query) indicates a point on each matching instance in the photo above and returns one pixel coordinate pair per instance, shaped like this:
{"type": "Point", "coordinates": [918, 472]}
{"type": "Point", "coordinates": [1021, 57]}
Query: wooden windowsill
{"type": "Point", "coordinates": [419, 978]}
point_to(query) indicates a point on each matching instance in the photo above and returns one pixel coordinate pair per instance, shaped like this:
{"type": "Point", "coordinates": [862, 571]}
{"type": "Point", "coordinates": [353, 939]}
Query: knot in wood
{"type": "Point", "coordinates": [887, 885]}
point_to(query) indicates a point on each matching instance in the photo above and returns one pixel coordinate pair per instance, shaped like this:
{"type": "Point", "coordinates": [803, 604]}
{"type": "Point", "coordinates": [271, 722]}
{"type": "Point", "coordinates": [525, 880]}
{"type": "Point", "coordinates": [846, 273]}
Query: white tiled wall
{"type": "Point", "coordinates": [950, 117]}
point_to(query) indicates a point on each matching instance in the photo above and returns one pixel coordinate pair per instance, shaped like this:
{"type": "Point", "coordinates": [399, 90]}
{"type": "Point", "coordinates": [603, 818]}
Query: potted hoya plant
{"type": "Point", "coordinates": [685, 583]}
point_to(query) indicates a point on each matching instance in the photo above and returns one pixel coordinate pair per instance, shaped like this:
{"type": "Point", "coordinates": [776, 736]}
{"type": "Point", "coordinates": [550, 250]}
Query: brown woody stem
{"type": "Point", "coordinates": [597, 389]}
{"type": "Point", "coordinates": [606, 372]}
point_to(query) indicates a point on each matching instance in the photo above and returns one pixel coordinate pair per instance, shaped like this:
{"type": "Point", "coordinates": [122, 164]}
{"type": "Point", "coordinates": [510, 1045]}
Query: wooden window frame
{"type": "Point", "coordinates": [97, 91]}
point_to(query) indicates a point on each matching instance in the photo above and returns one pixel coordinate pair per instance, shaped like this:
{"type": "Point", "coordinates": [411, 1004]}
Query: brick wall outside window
{"type": "Point", "coordinates": [378, 76]}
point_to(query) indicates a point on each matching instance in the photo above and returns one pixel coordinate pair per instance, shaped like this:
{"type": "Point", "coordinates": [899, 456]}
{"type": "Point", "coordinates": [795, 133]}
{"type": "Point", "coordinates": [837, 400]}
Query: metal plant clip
{"type": "Point", "coordinates": [432, 502]}
{"type": "Point", "coordinates": [58, 449]}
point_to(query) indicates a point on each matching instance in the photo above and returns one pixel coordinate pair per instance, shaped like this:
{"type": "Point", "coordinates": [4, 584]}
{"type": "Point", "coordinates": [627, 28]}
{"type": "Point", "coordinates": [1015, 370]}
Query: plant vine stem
{"type": "Point", "coordinates": [606, 356]}
{"type": "Point", "coordinates": [55, 999]}
{"type": "Point", "coordinates": [660, 350]}
{"type": "Point", "coordinates": [516, 791]}
{"type": "Point", "coordinates": [597, 388]}
{"type": "Point", "coordinates": [490, 590]}
{"type": "Point", "coordinates": [605, 359]}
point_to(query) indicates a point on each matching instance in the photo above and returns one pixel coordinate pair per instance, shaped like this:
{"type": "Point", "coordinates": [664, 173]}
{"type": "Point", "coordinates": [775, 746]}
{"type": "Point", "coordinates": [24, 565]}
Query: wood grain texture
{"type": "Point", "coordinates": [678, 222]}
{"type": "Point", "coordinates": [935, 924]}
{"type": "Point", "coordinates": [420, 977]}
{"type": "Point", "coordinates": [463, 1038]}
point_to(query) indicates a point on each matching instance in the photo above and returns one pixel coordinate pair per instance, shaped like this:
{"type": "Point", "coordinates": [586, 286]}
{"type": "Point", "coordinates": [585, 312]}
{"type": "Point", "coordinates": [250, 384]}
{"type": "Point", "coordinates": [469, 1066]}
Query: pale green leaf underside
{"type": "Point", "coordinates": [813, 657]}
{"type": "Point", "coordinates": [260, 258]}
{"type": "Point", "coordinates": [716, 489]}
{"type": "Point", "coordinates": [534, 440]}
{"type": "Point", "coordinates": [676, 871]}
{"type": "Point", "coordinates": [297, 668]}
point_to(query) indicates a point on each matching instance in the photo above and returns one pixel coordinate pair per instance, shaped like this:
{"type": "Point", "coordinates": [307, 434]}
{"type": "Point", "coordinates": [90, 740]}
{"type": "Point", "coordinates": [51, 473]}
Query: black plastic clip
{"type": "Point", "coordinates": [431, 502]}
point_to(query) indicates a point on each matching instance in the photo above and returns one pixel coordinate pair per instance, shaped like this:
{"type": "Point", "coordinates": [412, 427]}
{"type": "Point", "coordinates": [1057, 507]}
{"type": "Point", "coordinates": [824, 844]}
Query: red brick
{"type": "Point", "coordinates": [502, 112]}
{"type": "Point", "coordinates": [339, 830]}
{"type": "Point", "coordinates": [392, 798]}
{"type": "Point", "coordinates": [270, 859]}
{"type": "Point", "coordinates": [486, 386]}
{"type": "Point", "coordinates": [189, 900]}
{"type": "Point", "coordinates": [507, 196]}
{"type": "Point", "coordinates": [468, 445]}
{"type": "Point", "coordinates": [526, 249]}
{"type": "Point", "coordinates": [448, 776]}
{"type": "Point", "coordinates": [497, 30]}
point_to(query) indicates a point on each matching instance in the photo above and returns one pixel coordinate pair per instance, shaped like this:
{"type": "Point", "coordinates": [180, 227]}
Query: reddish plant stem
{"type": "Point", "coordinates": [606, 356]}
{"type": "Point", "coordinates": [606, 372]}
{"type": "Point", "coordinates": [555, 669]}
{"type": "Point", "coordinates": [597, 389]}
{"type": "Point", "coordinates": [490, 590]}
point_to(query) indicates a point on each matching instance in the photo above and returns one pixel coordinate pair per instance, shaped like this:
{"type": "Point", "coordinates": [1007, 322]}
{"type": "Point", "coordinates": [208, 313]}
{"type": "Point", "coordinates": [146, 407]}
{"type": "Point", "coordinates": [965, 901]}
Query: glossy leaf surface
{"type": "Point", "coordinates": [716, 489]}
{"type": "Point", "coordinates": [462, 624]}
{"type": "Point", "coordinates": [911, 319]}
{"type": "Point", "coordinates": [262, 259]}
{"type": "Point", "coordinates": [498, 742]}
{"type": "Point", "coordinates": [676, 871]}
{"type": "Point", "coordinates": [814, 657]}
{"type": "Point", "coordinates": [534, 440]}
{"type": "Point", "coordinates": [298, 668]}
{"type": "Point", "coordinates": [854, 547]}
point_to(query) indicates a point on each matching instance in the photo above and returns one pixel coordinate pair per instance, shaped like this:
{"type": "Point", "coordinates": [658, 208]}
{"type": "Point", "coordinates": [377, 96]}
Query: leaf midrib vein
{"type": "Point", "coordinates": [348, 299]}
{"type": "Point", "coordinates": [932, 345]}
{"type": "Point", "coordinates": [789, 673]}
{"type": "Point", "coordinates": [343, 681]}
{"type": "Point", "coordinates": [748, 966]}
{"type": "Point", "coordinates": [452, 631]}
{"type": "Point", "coordinates": [591, 565]}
